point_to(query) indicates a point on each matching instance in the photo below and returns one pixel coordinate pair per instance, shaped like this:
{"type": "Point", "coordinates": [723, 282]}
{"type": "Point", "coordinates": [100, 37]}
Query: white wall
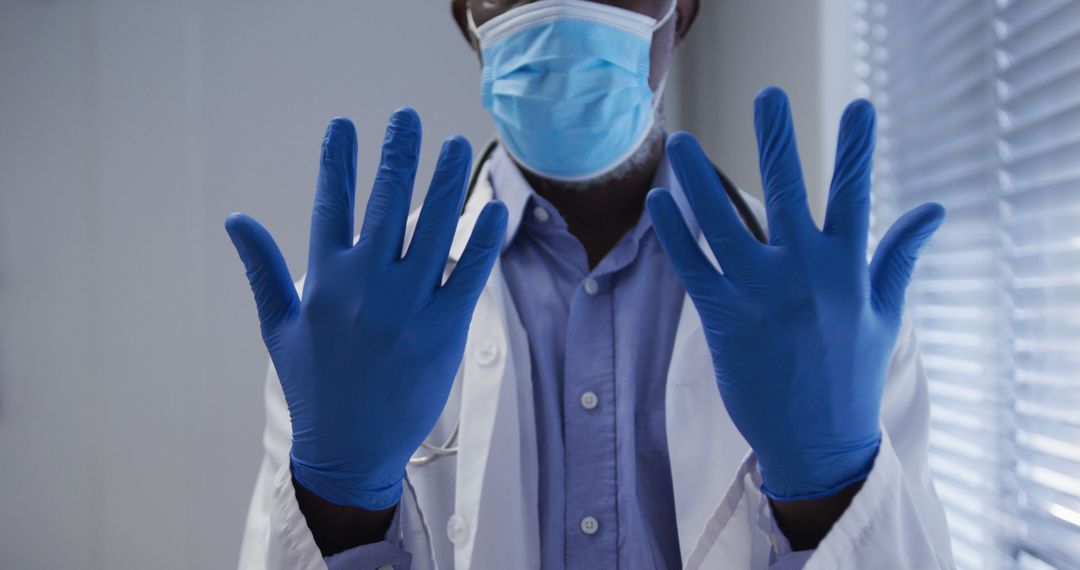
{"type": "Point", "coordinates": [131, 368]}
{"type": "Point", "coordinates": [736, 48]}
{"type": "Point", "coordinates": [130, 362]}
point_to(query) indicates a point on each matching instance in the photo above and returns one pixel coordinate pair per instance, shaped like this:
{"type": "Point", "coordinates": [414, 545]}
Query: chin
{"type": "Point", "coordinates": [643, 158]}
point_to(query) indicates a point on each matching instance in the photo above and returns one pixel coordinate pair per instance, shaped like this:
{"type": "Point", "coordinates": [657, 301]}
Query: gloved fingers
{"type": "Point", "coordinates": [267, 273]}
{"type": "Point", "coordinates": [335, 191]}
{"type": "Point", "coordinates": [434, 233]}
{"type": "Point", "coordinates": [715, 213]}
{"type": "Point", "coordinates": [700, 278]}
{"type": "Point", "coordinates": [894, 260]}
{"type": "Point", "coordinates": [781, 170]}
{"type": "Point", "coordinates": [383, 229]}
{"type": "Point", "coordinates": [461, 290]}
{"type": "Point", "coordinates": [848, 213]}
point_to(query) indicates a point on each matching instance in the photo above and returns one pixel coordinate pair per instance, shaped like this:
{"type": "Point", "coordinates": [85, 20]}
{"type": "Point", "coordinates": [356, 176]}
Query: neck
{"type": "Point", "coordinates": [599, 214]}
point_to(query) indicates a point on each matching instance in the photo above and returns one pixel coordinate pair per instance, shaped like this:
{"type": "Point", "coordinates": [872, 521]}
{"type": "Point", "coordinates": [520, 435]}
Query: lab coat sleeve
{"type": "Point", "coordinates": [894, 521]}
{"type": "Point", "coordinates": [277, 535]}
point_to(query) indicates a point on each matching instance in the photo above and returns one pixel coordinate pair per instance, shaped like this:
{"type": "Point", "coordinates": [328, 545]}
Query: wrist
{"type": "Point", "coordinates": [806, 523]}
{"type": "Point", "coordinates": [348, 489]}
{"type": "Point", "coordinates": [337, 528]}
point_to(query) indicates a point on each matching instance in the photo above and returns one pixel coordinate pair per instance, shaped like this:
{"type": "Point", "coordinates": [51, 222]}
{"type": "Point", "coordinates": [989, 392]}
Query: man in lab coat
{"type": "Point", "coordinates": [562, 377]}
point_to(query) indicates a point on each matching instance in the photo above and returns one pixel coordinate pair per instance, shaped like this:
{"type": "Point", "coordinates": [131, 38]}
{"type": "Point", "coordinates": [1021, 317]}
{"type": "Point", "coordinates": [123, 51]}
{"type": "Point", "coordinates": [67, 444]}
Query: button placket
{"type": "Point", "coordinates": [589, 430]}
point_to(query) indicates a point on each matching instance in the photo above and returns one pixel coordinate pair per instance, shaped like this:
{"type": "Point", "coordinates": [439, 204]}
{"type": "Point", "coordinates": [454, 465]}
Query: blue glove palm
{"type": "Point", "coordinates": [801, 331]}
{"type": "Point", "coordinates": [368, 357]}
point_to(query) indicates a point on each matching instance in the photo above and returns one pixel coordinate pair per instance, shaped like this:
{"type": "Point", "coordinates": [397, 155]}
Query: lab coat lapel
{"type": "Point", "coordinates": [496, 520]}
{"type": "Point", "coordinates": [704, 446]}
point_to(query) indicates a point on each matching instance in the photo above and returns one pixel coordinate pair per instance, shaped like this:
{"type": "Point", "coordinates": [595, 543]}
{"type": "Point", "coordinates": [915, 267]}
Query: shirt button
{"type": "Point", "coordinates": [541, 214]}
{"type": "Point", "coordinates": [457, 529]}
{"type": "Point", "coordinates": [486, 351]}
{"type": "Point", "coordinates": [591, 286]}
{"type": "Point", "coordinates": [589, 525]}
{"type": "Point", "coordinates": [589, 400]}
{"type": "Point", "coordinates": [385, 567]}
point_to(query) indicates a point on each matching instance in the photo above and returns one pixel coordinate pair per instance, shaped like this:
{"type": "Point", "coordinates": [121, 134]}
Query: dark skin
{"type": "Point", "coordinates": [598, 216]}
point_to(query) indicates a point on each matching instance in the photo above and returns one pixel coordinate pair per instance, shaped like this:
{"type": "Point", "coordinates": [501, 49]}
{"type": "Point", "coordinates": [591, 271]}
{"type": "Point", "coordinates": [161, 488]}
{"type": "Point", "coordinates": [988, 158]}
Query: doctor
{"type": "Point", "coordinates": [593, 354]}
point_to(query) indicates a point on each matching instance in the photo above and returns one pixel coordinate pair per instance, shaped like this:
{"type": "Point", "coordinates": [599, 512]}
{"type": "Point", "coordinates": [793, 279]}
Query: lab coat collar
{"type": "Point", "coordinates": [479, 196]}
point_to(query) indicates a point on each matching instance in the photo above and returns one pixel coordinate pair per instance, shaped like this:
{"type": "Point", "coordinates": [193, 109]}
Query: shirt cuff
{"type": "Point", "coordinates": [375, 556]}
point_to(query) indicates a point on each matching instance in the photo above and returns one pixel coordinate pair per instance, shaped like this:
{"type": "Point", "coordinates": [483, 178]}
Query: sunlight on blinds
{"type": "Point", "coordinates": [979, 106]}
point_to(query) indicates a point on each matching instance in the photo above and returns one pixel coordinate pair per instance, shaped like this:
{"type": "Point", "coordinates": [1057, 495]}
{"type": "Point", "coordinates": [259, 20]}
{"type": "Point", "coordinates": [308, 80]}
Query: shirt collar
{"type": "Point", "coordinates": [510, 186]}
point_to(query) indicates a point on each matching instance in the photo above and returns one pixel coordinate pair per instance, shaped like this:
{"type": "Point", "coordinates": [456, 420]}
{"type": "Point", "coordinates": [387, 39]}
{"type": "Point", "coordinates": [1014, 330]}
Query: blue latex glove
{"type": "Point", "coordinates": [801, 331]}
{"type": "Point", "coordinates": [368, 357]}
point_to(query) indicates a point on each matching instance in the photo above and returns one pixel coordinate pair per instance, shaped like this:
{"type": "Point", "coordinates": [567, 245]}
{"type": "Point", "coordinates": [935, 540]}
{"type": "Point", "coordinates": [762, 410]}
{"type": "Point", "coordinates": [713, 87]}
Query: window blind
{"type": "Point", "coordinates": [979, 104]}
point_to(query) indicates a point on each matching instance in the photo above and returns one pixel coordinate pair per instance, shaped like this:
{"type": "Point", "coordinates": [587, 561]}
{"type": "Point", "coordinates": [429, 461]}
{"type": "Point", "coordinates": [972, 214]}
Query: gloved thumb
{"type": "Point", "coordinates": [894, 261]}
{"type": "Point", "coordinates": [267, 273]}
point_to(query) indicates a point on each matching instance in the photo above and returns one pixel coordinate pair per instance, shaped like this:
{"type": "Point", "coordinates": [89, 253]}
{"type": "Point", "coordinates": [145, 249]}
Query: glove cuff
{"type": "Point", "coordinates": [818, 480]}
{"type": "Point", "coordinates": [346, 489]}
{"type": "Point", "coordinates": [822, 494]}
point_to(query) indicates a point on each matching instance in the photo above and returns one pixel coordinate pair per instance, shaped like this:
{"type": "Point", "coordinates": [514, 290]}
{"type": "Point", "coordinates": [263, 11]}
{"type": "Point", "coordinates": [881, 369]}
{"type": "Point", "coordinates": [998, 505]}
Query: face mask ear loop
{"type": "Point", "coordinates": [658, 95]}
{"type": "Point", "coordinates": [667, 15]}
{"type": "Point", "coordinates": [475, 32]}
{"type": "Point", "coordinates": [472, 22]}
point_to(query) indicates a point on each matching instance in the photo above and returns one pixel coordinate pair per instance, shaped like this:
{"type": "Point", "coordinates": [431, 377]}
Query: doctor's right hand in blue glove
{"type": "Point", "coordinates": [801, 329]}
{"type": "Point", "coordinates": [368, 355]}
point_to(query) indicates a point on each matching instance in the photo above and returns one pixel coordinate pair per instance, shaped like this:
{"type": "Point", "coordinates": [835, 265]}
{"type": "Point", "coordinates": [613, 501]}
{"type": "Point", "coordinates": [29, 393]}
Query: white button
{"type": "Point", "coordinates": [486, 351]}
{"type": "Point", "coordinates": [589, 525]}
{"type": "Point", "coordinates": [589, 400]}
{"type": "Point", "coordinates": [541, 214]}
{"type": "Point", "coordinates": [457, 529]}
{"type": "Point", "coordinates": [591, 286]}
{"type": "Point", "coordinates": [385, 567]}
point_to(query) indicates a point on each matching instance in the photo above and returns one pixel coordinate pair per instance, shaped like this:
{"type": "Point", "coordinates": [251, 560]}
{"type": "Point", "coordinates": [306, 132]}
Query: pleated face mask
{"type": "Point", "coordinates": [567, 83]}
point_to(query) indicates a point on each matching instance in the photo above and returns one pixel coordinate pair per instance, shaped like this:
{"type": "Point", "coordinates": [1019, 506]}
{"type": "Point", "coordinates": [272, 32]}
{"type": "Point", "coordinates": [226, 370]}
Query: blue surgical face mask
{"type": "Point", "coordinates": [567, 82]}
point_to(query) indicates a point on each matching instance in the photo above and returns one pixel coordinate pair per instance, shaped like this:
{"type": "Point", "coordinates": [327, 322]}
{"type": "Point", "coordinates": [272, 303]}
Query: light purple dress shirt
{"type": "Point", "coordinates": [600, 340]}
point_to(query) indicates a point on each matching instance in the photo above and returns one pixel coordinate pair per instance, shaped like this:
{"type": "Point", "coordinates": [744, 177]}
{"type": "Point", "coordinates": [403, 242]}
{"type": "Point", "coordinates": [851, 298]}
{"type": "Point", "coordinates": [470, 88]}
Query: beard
{"type": "Point", "coordinates": [641, 159]}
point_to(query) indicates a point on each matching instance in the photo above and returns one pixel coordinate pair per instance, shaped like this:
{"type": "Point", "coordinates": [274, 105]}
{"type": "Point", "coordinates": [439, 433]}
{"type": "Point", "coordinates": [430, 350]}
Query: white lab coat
{"type": "Point", "coordinates": [485, 497]}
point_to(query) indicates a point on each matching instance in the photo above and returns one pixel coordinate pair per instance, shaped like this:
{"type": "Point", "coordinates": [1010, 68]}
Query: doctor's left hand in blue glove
{"type": "Point", "coordinates": [368, 355]}
{"type": "Point", "coordinates": [801, 329]}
